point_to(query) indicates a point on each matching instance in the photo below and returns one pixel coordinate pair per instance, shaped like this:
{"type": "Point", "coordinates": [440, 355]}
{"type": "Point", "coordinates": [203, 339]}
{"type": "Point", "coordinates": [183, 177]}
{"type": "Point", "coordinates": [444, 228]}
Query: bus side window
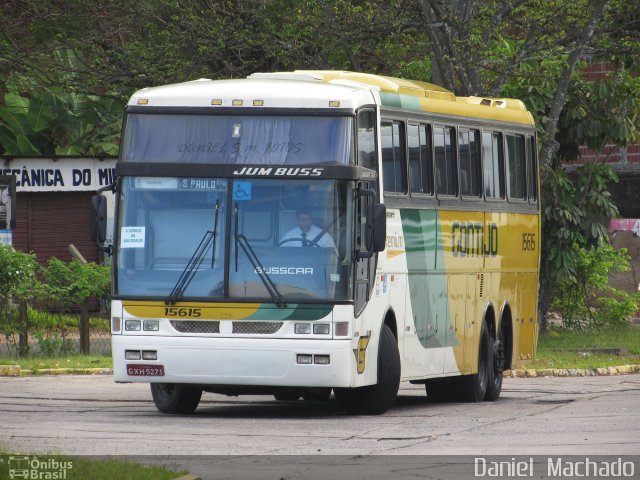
{"type": "Point", "coordinates": [532, 168]}
{"type": "Point", "coordinates": [393, 170]}
{"type": "Point", "coordinates": [470, 180]}
{"type": "Point", "coordinates": [420, 159]}
{"type": "Point", "coordinates": [367, 140]}
{"type": "Point", "coordinates": [516, 167]}
{"type": "Point", "coordinates": [445, 160]}
{"type": "Point", "coordinates": [493, 160]}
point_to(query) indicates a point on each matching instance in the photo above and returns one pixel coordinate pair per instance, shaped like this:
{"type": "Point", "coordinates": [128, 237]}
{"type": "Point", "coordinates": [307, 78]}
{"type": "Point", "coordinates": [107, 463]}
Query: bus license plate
{"type": "Point", "coordinates": [145, 370]}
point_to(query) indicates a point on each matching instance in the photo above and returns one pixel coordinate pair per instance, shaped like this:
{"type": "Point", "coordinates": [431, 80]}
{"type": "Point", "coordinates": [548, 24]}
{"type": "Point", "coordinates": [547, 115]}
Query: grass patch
{"type": "Point", "coordinates": [602, 348]}
{"type": "Point", "coordinates": [80, 468]}
{"type": "Point", "coordinates": [76, 362]}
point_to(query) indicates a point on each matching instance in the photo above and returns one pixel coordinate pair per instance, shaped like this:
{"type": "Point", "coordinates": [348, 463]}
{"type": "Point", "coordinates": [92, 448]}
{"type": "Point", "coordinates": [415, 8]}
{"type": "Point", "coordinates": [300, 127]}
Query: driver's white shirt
{"type": "Point", "coordinates": [296, 235]}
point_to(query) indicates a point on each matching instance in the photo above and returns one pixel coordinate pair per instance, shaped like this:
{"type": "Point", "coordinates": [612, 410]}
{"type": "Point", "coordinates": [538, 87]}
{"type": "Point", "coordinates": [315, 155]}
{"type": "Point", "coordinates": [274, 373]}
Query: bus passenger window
{"type": "Point", "coordinates": [446, 172]}
{"type": "Point", "coordinates": [493, 165]}
{"type": "Point", "coordinates": [393, 172]}
{"type": "Point", "coordinates": [367, 140]}
{"type": "Point", "coordinates": [420, 162]}
{"type": "Point", "coordinates": [469, 144]}
{"type": "Point", "coordinates": [532, 167]}
{"type": "Point", "coordinates": [516, 167]}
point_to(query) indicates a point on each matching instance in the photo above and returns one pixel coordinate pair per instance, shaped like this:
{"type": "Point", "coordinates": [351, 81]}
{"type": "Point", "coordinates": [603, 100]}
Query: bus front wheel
{"type": "Point", "coordinates": [175, 398]}
{"type": "Point", "coordinates": [376, 399]}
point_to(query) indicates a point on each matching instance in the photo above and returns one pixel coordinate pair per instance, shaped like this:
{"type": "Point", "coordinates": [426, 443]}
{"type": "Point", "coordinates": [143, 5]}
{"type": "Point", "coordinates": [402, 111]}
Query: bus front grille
{"type": "Point", "coordinates": [188, 326]}
{"type": "Point", "coordinates": [213, 326]}
{"type": "Point", "coordinates": [256, 327]}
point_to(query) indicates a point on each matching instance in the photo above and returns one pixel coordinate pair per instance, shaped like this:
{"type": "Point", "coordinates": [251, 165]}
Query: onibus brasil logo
{"type": "Point", "coordinates": [35, 468]}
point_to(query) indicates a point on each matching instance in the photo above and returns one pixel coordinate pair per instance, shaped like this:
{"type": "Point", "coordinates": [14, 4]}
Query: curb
{"type": "Point", "coordinates": [572, 372]}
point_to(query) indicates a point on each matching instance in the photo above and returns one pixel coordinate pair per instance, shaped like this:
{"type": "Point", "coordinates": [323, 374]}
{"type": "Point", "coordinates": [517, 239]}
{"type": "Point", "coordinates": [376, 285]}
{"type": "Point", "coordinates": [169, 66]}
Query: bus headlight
{"type": "Point", "coordinates": [321, 328]}
{"type": "Point", "coordinates": [132, 325]}
{"type": "Point", "coordinates": [302, 328]}
{"type": "Point", "coordinates": [151, 325]}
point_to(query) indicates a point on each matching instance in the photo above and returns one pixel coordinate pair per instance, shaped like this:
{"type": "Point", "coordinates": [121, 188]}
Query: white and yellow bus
{"type": "Point", "coordinates": [302, 233]}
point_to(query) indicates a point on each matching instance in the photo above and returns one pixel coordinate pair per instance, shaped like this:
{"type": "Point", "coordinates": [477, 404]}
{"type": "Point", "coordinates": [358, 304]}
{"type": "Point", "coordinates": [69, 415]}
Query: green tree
{"type": "Point", "coordinates": [518, 48]}
{"type": "Point", "coordinates": [588, 300]}
{"type": "Point", "coordinates": [53, 122]}
{"type": "Point", "coordinates": [18, 286]}
{"type": "Point", "coordinates": [73, 283]}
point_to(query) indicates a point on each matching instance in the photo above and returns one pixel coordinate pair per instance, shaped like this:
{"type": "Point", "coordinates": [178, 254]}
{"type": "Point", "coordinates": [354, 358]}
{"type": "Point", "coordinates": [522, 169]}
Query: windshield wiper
{"type": "Point", "coordinates": [209, 238]}
{"type": "Point", "coordinates": [256, 264]}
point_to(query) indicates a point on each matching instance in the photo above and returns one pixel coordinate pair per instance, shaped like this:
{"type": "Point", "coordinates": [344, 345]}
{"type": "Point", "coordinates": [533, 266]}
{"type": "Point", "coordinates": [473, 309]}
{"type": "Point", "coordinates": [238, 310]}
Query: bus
{"type": "Point", "coordinates": [304, 233]}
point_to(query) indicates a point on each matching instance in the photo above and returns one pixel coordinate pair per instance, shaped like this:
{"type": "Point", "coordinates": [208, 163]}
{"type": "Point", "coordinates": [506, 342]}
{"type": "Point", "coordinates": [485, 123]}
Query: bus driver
{"type": "Point", "coordinates": [306, 234]}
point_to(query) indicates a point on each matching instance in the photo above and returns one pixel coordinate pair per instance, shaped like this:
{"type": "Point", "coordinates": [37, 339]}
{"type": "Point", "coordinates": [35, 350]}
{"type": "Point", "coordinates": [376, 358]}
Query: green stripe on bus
{"type": "Point", "coordinates": [400, 101]}
{"type": "Point", "coordinates": [427, 290]}
{"type": "Point", "coordinates": [292, 311]}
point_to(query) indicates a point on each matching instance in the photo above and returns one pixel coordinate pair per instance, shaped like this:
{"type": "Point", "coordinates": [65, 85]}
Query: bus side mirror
{"type": "Point", "coordinates": [376, 225]}
{"type": "Point", "coordinates": [98, 220]}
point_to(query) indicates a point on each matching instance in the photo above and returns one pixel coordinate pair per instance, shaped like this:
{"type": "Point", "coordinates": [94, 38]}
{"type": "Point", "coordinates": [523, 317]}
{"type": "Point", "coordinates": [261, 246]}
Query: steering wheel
{"type": "Point", "coordinates": [310, 243]}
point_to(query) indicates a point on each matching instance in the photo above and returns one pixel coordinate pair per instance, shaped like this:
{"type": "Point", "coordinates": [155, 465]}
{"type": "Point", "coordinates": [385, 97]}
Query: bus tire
{"type": "Point", "coordinates": [174, 398]}
{"type": "Point", "coordinates": [494, 387]}
{"type": "Point", "coordinates": [376, 399]}
{"type": "Point", "coordinates": [472, 388]}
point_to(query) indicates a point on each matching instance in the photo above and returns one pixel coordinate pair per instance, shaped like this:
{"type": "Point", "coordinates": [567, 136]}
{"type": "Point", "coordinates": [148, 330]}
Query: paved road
{"type": "Point", "coordinates": [91, 415]}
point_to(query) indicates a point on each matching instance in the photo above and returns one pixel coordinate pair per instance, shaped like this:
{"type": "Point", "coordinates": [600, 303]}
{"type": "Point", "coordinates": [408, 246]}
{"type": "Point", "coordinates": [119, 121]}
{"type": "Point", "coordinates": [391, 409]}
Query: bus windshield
{"type": "Point", "coordinates": [238, 139]}
{"type": "Point", "coordinates": [271, 240]}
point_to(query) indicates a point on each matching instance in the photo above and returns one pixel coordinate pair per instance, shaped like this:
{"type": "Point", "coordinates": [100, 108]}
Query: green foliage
{"type": "Point", "coordinates": [597, 112]}
{"type": "Point", "coordinates": [572, 217]}
{"type": "Point", "coordinates": [416, 70]}
{"type": "Point", "coordinates": [52, 344]}
{"type": "Point", "coordinates": [18, 284]}
{"type": "Point", "coordinates": [18, 272]}
{"type": "Point", "coordinates": [587, 300]}
{"type": "Point", "coordinates": [50, 121]}
{"type": "Point", "coordinates": [58, 285]}
{"type": "Point", "coordinates": [67, 284]}
{"type": "Point", "coordinates": [534, 82]}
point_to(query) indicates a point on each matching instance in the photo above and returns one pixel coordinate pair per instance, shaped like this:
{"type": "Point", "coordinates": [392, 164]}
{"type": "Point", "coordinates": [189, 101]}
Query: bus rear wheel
{"type": "Point", "coordinates": [376, 399]}
{"type": "Point", "coordinates": [494, 387]}
{"type": "Point", "coordinates": [174, 398]}
{"type": "Point", "coordinates": [472, 388]}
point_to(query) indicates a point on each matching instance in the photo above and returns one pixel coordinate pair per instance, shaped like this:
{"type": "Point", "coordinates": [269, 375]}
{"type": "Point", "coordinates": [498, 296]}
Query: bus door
{"type": "Point", "coordinates": [365, 267]}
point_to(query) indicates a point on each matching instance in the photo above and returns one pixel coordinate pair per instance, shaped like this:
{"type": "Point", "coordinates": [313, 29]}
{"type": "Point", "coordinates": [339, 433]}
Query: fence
{"type": "Point", "coordinates": [34, 332]}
